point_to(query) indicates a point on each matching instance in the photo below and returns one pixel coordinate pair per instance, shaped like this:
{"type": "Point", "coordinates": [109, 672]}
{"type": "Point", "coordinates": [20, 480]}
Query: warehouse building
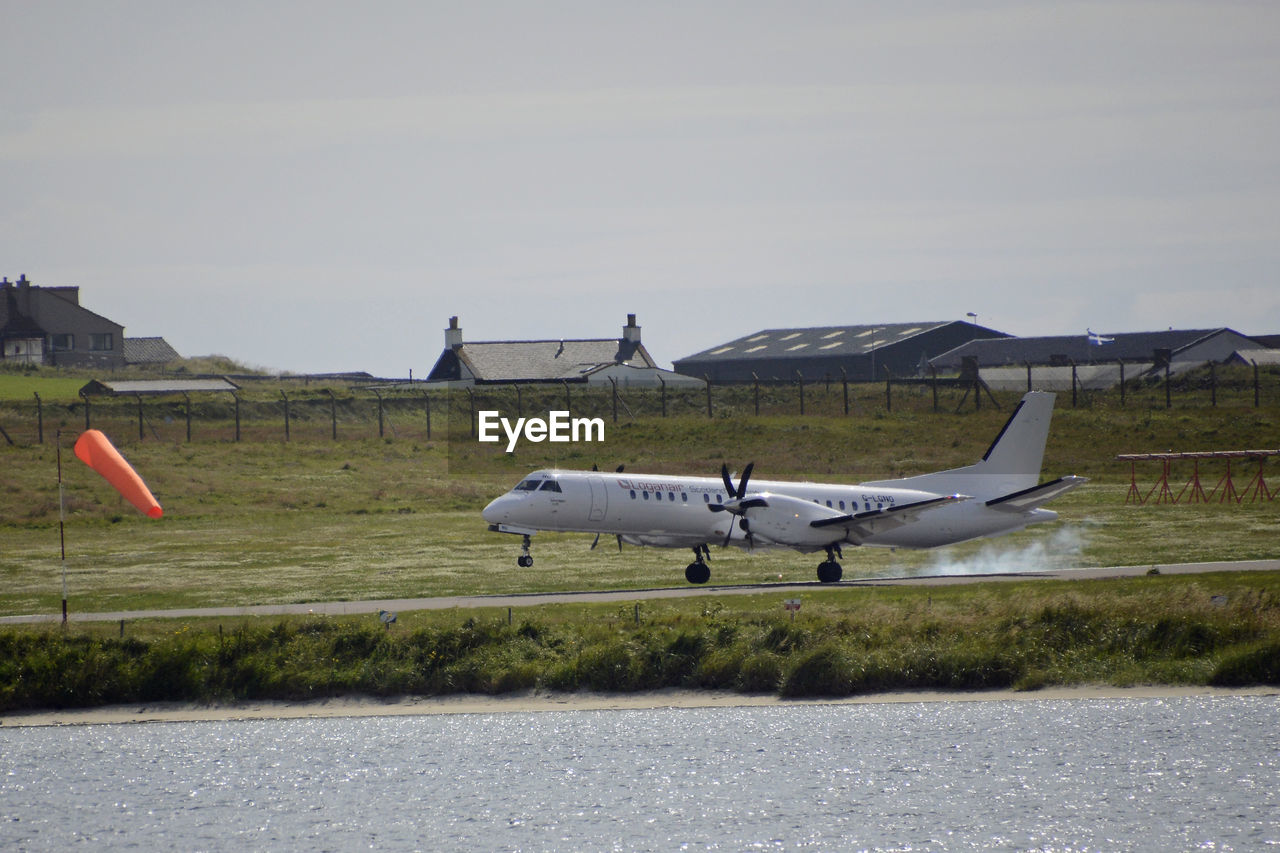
{"type": "Point", "coordinates": [1095, 359]}
{"type": "Point", "coordinates": [863, 353]}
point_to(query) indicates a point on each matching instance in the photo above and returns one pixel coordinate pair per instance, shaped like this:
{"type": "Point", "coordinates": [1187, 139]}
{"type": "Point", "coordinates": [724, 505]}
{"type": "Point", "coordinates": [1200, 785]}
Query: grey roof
{"type": "Point", "coordinates": [148, 351]}
{"type": "Point", "coordinates": [156, 386]}
{"type": "Point", "coordinates": [1129, 346]}
{"type": "Point", "coordinates": [1258, 356]}
{"type": "Point", "coordinates": [817, 341]}
{"type": "Point", "coordinates": [555, 360]}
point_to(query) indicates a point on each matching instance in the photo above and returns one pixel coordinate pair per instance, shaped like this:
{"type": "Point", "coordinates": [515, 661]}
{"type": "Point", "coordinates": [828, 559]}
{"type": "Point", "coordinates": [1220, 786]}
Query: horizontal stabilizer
{"type": "Point", "coordinates": [1028, 499]}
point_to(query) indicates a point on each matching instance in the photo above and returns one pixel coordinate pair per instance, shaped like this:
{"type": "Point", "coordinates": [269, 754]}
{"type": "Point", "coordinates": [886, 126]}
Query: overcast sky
{"type": "Point", "coordinates": [318, 186]}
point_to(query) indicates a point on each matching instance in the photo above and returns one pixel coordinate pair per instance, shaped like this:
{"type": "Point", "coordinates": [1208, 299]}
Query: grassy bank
{"type": "Point", "coordinates": [1220, 629]}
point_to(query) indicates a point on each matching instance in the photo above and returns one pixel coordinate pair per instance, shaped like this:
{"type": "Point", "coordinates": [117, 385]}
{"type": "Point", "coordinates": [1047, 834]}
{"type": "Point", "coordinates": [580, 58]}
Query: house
{"type": "Point", "coordinates": [863, 353]}
{"type": "Point", "coordinates": [47, 325]}
{"type": "Point", "coordinates": [594, 361]}
{"type": "Point", "coordinates": [1095, 358]}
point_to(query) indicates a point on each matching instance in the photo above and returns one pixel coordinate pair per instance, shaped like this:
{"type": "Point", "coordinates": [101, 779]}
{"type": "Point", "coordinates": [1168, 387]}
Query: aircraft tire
{"type": "Point", "coordinates": [697, 573]}
{"type": "Point", "coordinates": [525, 561]}
{"type": "Point", "coordinates": [829, 571]}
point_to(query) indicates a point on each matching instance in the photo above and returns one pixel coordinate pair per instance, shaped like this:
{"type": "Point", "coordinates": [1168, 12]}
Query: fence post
{"type": "Point", "coordinates": [933, 381]}
{"type": "Point", "coordinates": [663, 383]}
{"type": "Point", "coordinates": [844, 384]}
{"type": "Point", "coordinates": [379, 396]}
{"type": "Point", "coordinates": [426, 401]}
{"type": "Point", "coordinates": [1213, 384]}
{"type": "Point", "coordinates": [286, 415]}
{"type": "Point", "coordinates": [708, 378]}
{"type": "Point", "coordinates": [237, 399]}
{"type": "Point", "coordinates": [756, 380]}
{"type": "Point", "coordinates": [85, 397]}
{"type": "Point", "coordinates": [333, 412]}
{"type": "Point", "coordinates": [138, 397]}
{"type": "Point", "coordinates": [888, 389]}
{"type": "Point", "coordinates": [1028, 377]}
{"type": "Point", "coordinates": [1121, 360]}
{"type": "Point", "coordinates": [40, 416]}
{"type": "Point", "coordinates": [471, 422]}
{"type": "Point", "coordinates": [520, 401]}
{"type": "Point", "coordinates": [1168, 399]}
{"type": "Point", "coordinates": [186, 397]}
{"type": "Point", "coordinates": [1255, 383]}
{"type": "Point", "coordinates": [1073, 383]}
{"type": "Point", "coordinates": [800, 383]}
{"type": "Point", "coordinates": [568, 405]}
{"type": "Point", "coordinates": [614, 383]}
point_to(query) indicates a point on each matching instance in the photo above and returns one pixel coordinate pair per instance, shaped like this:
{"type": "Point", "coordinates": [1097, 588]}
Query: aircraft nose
{"type": "Point", "coordinates": [496, 511]}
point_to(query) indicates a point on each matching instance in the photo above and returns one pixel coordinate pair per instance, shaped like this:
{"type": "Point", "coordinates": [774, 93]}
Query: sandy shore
{"type": "Point", "coordinates": [356, 706]}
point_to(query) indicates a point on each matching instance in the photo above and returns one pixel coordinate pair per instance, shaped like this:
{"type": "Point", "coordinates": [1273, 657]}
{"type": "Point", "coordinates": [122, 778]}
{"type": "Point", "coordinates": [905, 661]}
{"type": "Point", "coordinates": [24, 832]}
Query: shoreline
{"type": "Point", "coordinates": [537, 701]}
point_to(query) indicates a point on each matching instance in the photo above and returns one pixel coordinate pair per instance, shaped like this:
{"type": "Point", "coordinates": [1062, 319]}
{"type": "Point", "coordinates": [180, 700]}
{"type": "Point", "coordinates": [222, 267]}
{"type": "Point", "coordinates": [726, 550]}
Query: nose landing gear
{"type": "Point", "coordinates": [525, 560]}
{"type": "Point", "coordinates": [829, 571]}
{"type": "Point", "coordinates": [698, 571]}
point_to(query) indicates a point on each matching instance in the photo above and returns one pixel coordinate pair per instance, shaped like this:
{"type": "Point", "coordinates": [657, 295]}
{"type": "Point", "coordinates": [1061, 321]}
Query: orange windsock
{"type": "Point", "coordinates": [96, 451]}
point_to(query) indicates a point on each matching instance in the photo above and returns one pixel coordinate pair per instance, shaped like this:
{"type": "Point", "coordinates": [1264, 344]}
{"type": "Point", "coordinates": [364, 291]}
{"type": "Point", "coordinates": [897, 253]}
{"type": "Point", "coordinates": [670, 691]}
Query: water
{"type": "Point", "coordinates": [1142, 774]}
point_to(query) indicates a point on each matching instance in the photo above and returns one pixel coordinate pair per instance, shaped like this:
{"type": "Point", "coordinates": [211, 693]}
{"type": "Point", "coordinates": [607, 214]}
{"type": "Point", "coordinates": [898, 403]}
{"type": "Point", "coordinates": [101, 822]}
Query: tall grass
{"type": "Point", "coordinates": [1216, 629]}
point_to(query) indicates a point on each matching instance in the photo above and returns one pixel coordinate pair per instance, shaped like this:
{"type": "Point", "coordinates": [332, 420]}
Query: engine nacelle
{"type": "Point", "coordinates": [785, 521]}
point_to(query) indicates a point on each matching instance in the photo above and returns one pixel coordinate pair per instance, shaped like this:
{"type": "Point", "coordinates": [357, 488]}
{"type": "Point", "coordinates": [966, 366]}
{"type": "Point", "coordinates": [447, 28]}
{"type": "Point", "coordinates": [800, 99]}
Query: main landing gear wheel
{"type": "Point", "coordinates": [829, 571]}
{"type": "Point", "coordinates": [698, 571]}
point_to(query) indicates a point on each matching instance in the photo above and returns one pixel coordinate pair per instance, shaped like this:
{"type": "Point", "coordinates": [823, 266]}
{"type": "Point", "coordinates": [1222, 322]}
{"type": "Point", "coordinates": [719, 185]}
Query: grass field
{"type": "Point", "coordinates": [265, 520]}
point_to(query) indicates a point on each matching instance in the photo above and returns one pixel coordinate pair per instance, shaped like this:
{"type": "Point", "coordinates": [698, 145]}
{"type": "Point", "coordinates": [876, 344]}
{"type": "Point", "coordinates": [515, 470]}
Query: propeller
{"type": "Point", "coordinates": [742, 483]}
{"type": "Point", "coordinates": [738, 506]}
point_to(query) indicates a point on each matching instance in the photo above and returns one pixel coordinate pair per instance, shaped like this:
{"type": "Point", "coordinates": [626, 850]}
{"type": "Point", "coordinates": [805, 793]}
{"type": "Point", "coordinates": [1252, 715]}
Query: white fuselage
{"type": "Point", "coordinates": [674, 511]}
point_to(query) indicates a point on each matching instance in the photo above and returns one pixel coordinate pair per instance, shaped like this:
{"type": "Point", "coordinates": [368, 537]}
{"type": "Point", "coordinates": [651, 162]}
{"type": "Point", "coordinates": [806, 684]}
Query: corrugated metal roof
{"type": "Point", "coordinates": [556, 360]}
{"type": "Point", "coordinates": [156, 386]}
{"type": "Point", "coordinates": [820, 340]}
{"type": "Point", "coordinates": [1081, 348]}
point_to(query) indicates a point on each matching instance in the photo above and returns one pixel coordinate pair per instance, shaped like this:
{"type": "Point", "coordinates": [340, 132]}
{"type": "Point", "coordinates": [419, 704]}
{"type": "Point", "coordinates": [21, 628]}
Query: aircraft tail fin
{"type": "Point", "coordinates": [1011, 464]}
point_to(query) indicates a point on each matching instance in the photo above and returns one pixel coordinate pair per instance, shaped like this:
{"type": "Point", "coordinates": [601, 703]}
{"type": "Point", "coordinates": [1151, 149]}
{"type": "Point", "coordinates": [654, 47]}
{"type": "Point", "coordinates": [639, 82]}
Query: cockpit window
{"type": "Point", "coordinates": [528, 486]}
{"type": "Point", "coordinates": [550, 486]}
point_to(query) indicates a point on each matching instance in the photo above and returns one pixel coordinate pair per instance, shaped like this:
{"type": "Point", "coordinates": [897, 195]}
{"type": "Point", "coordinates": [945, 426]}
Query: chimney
{"type": "Point", "coordinates": [453, 334]}
{"type": "Point", "coordinates": [631, 332]}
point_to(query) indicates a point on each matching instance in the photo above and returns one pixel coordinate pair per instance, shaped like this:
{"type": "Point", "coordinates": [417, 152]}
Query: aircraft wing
{"type": "Point", "coordinates": [1033, 497]}
{"type": "Point", "coordinates": [860, 526]}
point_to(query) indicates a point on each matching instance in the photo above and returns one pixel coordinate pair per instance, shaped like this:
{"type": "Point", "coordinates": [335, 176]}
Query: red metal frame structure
{"type": "Point", "coordinates": [1257, 489]}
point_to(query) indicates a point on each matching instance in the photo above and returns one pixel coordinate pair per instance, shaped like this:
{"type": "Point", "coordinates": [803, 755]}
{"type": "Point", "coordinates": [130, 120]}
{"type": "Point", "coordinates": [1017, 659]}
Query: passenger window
{"type": "Point", "coordinates": [671, 496]}
{"type": "Point", "coordinates": [706, 498]}
{"type": "Point", "coordinates": [828, 503]}
{"type": "Point", "coordinates": [684, 496]}
{"type": "Point", "coordinates": [841, 505]}
{"type": "Point", "coordinates": [646, 495]}
{"type": "Point", "coordinates": [633, 494]}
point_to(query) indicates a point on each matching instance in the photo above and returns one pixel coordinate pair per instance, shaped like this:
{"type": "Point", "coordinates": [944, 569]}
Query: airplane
{"type": "Point", "coordinates": [999, 494]}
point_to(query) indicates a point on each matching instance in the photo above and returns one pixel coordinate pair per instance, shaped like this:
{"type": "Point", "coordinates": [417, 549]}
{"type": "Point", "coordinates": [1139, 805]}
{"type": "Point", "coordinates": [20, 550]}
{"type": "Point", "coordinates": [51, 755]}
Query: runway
{"type": "Point", "coordinates": [347, 608]}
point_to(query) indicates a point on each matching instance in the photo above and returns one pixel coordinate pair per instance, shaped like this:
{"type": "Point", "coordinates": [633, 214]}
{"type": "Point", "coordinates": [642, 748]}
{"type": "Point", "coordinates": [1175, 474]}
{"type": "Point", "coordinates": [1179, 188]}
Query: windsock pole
{"type": "Point", "coordinates": [62, 536]}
